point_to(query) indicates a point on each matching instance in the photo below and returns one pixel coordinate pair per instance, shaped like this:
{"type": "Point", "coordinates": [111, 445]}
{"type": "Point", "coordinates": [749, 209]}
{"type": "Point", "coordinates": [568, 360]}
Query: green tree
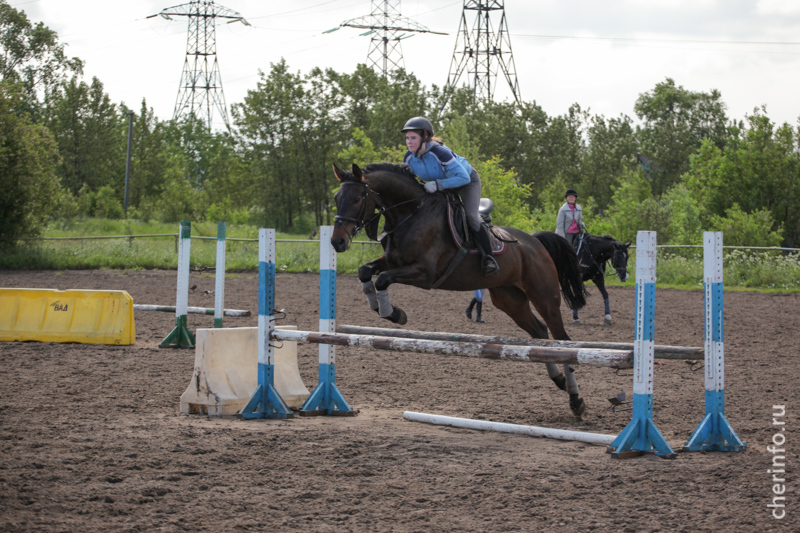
{"type": "Point", "coordinates": [759, 168]}
{"type": "Point", "coordinates": [91, 136]}
{"type": "Point", "coordinates": [675, 123]}
{"type": "Point", "coordinates": [32, 55]}
{"type": "Point", "coordinates": [611, 150]}
{"type": "Point", "coordinates": [28, 160]}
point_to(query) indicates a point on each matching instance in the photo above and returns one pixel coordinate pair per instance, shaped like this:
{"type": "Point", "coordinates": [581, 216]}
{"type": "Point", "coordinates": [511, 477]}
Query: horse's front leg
{"type": "Point", "coordinates": [601, 286]}
{"type": "Point", "coordinates": [365, 274]}
{"type": "Point", "coordinates": [406, 275]}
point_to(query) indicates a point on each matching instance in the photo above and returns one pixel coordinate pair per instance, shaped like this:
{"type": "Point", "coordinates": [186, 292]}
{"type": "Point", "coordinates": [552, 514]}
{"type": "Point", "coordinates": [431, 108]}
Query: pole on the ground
{"type": "Point", "coordinates": [641, 435]}
{"type": "Point", "coordinates": [326, 398]}
{"type": "Point", "coordinates": [714, 432]}
{"type": "Point", "coordinates": [265, 401]}
{"type": "Point", "coordinates": [219, 276]}
{"type": "Point", "coordinates": [180, 336]}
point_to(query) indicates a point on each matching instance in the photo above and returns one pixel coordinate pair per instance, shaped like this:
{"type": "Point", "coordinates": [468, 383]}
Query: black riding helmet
{"type": "Point", "coordinates": [419, 123]}
{"type": "Point", "coordinates": [573, 192]}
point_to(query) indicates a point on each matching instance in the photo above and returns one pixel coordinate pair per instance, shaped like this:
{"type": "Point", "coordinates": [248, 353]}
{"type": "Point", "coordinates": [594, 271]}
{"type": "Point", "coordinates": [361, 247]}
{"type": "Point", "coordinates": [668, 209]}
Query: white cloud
{"type": "Point", "coordinates": [778, 7]}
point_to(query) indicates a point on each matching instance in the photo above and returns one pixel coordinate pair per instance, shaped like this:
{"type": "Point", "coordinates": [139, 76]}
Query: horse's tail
{"type": "Point", "coordinates": [567, 266]}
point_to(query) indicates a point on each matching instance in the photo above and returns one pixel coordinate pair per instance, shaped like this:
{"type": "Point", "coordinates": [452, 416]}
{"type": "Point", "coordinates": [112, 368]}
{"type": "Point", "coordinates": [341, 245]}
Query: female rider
{"type": "Point", "coordinates": [440, 168]}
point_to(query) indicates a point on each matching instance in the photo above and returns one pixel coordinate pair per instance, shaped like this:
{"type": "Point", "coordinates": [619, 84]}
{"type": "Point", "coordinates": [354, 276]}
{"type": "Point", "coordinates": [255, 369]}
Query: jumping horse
{"type": "Point", "coordinates": [594, 253]}
{"type": "Point", "coordinates": [418, 249]}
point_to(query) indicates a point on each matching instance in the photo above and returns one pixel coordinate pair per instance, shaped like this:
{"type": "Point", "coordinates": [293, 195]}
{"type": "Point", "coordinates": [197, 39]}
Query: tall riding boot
{"type": "Point", "coordinates": [479, 310]}
{"type": "Point", "coordinates": [471, 306]}
{"type": "Point", "coordinates": [488, 264]}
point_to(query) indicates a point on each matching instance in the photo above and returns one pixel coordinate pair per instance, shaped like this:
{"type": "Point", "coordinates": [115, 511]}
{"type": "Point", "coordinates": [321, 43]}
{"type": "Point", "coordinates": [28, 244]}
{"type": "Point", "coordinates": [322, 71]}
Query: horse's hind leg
{"type": "Point", "coordinates": [515, 304]}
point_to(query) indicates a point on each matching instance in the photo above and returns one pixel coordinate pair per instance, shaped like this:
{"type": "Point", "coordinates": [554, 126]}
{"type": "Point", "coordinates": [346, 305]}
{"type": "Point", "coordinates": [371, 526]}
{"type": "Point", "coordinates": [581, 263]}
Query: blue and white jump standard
{"type": "Point", "coordinates": [714, 432]}
{"type": "Point", "coordinates": [641, 435]}
{"type": "Point", "coordinates": [326, 398]}
{"type": "Point", "coordinates": [266, 402]}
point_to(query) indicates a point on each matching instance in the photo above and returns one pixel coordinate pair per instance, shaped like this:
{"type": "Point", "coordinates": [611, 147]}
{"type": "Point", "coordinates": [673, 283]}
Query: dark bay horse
{"type": "Point", "coordinates": [594, 253]}
{"type": "Point", "coordinates": [418, 248]}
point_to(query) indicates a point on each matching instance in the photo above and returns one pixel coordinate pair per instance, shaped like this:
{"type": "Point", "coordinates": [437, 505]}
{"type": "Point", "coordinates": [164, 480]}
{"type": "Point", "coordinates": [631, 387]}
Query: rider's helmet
{"type": "Point", "coordinates": [573, 192]}
{"type": "Point", "coordinates": [419, 123]}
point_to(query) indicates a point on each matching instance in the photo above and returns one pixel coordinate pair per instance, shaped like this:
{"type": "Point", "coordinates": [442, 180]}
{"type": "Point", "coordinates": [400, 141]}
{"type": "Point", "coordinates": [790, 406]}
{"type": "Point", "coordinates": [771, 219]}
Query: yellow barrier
{"type": "Point", "coordinates": [49, 315]}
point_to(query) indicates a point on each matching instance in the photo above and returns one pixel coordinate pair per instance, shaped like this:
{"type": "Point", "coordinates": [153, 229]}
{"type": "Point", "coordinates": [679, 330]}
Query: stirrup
{"type": "Point", "coordinates": [489, 266]}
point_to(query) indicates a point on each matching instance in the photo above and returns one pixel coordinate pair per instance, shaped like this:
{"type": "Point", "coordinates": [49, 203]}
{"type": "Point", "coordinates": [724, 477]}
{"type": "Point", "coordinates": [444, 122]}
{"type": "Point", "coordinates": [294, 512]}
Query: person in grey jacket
{"type": "Point", "coordinates": [569, 223]}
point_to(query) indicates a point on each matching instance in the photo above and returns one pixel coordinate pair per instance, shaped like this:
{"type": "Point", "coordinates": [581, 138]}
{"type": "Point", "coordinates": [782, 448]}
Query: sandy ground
{"type": "Point", "coordinates": [91, 437]}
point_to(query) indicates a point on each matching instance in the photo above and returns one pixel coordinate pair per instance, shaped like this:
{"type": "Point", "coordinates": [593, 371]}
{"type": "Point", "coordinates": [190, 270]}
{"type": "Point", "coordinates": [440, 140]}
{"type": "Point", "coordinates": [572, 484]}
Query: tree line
{"type": "Point", "coordinates": [682, 167]}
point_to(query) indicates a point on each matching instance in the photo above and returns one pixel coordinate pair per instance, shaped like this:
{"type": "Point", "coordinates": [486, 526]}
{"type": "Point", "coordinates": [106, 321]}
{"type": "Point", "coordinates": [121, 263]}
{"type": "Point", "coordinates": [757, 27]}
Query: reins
{"type": "Point", "coordinates": [360, 223]}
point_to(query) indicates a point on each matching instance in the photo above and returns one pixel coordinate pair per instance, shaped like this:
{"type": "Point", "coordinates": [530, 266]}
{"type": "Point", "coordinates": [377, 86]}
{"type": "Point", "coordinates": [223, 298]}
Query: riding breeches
{"type": "Point", "coordinates": [471, 197]}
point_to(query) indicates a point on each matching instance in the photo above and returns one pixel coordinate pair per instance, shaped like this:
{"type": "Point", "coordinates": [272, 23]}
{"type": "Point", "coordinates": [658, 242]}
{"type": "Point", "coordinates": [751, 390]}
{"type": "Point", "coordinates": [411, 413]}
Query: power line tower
{"type": "Point", "coordinates": [387, 28]}
{"type": "Point", "coordinates": [482, 50]}
{"type": "Point", "coordinates": [200, 89]}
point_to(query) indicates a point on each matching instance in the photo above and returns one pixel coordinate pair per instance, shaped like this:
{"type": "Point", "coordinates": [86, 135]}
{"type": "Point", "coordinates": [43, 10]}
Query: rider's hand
{"type": "Point", "coordinates": [430, 186]}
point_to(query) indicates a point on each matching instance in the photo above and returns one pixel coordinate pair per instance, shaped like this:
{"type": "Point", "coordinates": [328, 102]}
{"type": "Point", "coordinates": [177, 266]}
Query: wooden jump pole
{"type": "Point", "coordinates": [531, 354]}
{"type": "Point", "coordinates": [661, 351]}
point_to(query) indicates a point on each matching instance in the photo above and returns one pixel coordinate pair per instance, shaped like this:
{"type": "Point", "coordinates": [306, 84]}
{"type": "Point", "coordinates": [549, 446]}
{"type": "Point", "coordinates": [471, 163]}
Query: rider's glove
{"type": "Point", "coordinates": [430, 186]}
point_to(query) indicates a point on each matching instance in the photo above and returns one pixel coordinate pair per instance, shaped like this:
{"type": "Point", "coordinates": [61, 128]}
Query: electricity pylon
{"type": "Point", "coordinates": [482, 50]}
{"type": "Point", "coordinates": [200, 88]}
{"type": "Point", "coordinates": [387, 28]}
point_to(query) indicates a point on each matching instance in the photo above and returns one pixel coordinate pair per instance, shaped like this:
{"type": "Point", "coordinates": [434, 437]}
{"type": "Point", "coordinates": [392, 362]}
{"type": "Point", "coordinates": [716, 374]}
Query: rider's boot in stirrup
{"type": "Point", "coordinates": [488, 263]}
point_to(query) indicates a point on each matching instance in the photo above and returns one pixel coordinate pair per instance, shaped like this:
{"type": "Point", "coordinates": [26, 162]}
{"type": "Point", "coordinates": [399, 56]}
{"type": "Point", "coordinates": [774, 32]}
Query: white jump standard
{"type": "Point", "coordinates": [266, 402]}
{"type": "Point", "coordinates": [714, 432]}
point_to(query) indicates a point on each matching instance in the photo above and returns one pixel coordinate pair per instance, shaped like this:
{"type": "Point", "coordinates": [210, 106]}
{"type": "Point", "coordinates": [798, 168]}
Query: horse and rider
{"type": "Point", "coordinates": [419, 248]}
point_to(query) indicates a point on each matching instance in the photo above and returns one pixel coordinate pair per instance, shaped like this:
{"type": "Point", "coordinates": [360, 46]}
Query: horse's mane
{"type": "Point", "coordinates": [403, 170]}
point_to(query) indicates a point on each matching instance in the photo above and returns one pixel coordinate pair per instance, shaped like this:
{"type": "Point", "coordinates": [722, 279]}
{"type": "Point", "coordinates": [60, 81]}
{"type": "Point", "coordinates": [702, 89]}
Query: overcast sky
{"type": "Point", "coordinates": [599, 54]}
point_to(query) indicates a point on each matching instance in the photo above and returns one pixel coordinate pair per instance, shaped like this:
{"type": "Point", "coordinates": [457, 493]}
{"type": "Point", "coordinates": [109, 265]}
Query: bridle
{"type": "Point", "coordinates": [359, 223]}
{"type": "Point", "coordinates": [614, 260]}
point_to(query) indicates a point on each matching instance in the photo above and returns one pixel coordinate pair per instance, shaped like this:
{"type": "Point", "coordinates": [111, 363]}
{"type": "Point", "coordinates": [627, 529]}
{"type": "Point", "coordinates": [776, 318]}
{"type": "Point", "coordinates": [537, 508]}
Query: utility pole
{"type": "Point", "coordinates": [386, 28]}
{"type": "Point", "coordinates": [200, 90]}
{"type": "Point", "coordinates": [128, 162]}
{"type": "Point", "coordinates": [482, 50]}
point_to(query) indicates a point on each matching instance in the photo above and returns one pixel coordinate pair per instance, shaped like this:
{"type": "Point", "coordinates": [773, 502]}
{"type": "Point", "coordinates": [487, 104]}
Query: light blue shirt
{"type": "Point", "coordinates": [440, 163]}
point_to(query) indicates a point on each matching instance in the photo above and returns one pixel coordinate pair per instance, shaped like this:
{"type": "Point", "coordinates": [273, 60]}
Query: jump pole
{"type": "Point", "coordinates": [641, 435]}
{"type": "Point", "coordinates": [326, 399]}
{"type": "Point", "coordinates": [180, 336]}
{"type": "Point", "coordinates": [714, 432]}
{"type": "Point", "coordinates": [618, 359]}
{"type": "Point", "coordinates": [265, 401]}
{"type": "Point", "coordinates": [688, 353]}
{"type": "Point", "coordinates": [534, 431]}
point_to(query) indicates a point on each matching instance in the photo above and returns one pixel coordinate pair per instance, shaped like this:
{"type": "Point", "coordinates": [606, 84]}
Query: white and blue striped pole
{"type": "Point", "coordinates": [180, 336]}
{"type": "Point", "coordinates": [326, 398]}
{"type": "Point", "coordinates": [641, 435]}
{"type": "Point", "coordinates": [219, 276]}
{"type": "Point", "coordinates": [266, 402]}
{"type": "Point", "coordinates": [714, 432]}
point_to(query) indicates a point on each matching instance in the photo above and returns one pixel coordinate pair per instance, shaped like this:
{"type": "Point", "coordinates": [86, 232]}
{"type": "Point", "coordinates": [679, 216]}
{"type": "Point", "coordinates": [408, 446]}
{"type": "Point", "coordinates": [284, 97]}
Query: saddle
{"type": "Point", "coordinates": [459, 230]}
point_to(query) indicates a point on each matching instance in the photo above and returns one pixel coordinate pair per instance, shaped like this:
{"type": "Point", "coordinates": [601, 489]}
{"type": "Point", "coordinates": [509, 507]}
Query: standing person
{"type": "Point", "coordinates": [477, 300]}
{"type": "Point", "coordinates": [569, 223]}
{"type": "Point", "coordinates": [440, 168]}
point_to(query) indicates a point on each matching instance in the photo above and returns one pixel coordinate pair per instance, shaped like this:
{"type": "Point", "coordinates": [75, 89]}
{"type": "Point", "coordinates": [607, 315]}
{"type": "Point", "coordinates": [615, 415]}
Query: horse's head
{"type": "Point", "coordinates": [356, 207]}
{"type": "Point", "coordinates": [619, 259]}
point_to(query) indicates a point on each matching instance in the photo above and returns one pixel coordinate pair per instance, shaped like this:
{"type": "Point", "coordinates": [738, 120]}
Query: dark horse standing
{"type": "Point", "coordinates": [594, 253]}
{"type": "Point", "coordinates": [418, 248]}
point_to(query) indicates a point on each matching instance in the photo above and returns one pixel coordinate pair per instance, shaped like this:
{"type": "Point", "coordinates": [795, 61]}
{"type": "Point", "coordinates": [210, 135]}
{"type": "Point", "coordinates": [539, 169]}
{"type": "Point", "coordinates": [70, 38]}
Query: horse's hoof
{"type": "Point", "coordinates": [607, 320]}
{"type": "Point", "coordinates": [576, 320]}
{"type": "Point", "coordinates": [398, 316]}
{"type": "Point", "coordinates": [560, 381]}
{"type": "Point", "coordinates": [577, 405]}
